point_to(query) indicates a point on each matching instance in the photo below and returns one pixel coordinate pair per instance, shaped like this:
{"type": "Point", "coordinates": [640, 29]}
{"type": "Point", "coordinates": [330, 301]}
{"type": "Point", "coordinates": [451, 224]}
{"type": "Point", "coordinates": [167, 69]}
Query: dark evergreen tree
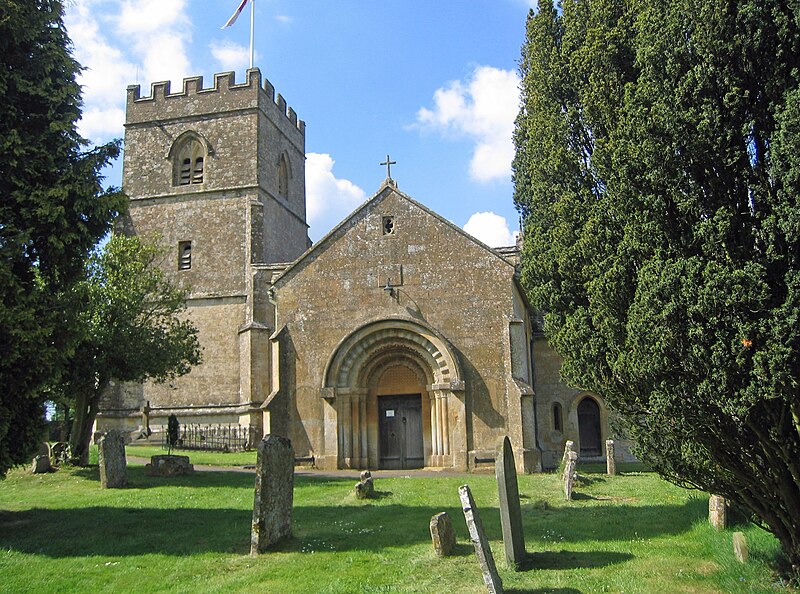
{"type": "Point", "coordinates": [658, 173]}
{"type": "Point", "coordinates": [53, 210]}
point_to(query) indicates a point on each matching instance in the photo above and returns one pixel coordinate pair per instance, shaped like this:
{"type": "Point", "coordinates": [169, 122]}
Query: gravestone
{"type": "Point", "coordinates": [365, 487]}
{"type": "Point", "coordinates": [272, 506]}
{"type": "Point", "coordinates": [168, 465]}
{"type": "Point", "coordinates": [611, 463]}
{"type": "Point", "coordinates": [41, 465]}
{"type": "Point", "coordinates": [510, 512]}
{"type": "Point", "coordinates": [442, 535]}
{"type": "Point", "coordinates": [568, 447]}
{"type": "Point", "coordinates": [717, 512]}
{"type": "Point", "coordinates": [113, 466]}
{"type": "Point", "coordinates": [478, 537]}
{"type": "Point", "coordinates": [740, 548]}
{"type": "Point", "coordinates": [569, 474]}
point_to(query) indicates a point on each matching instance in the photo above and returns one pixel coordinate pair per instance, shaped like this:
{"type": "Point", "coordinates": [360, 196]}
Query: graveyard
{"type": "Point", "coordinates": [631, 532]}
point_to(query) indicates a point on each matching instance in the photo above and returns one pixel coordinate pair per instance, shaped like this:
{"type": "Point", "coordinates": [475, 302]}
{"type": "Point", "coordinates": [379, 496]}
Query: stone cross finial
{"type": "Point", "coordinates": [388, 164]}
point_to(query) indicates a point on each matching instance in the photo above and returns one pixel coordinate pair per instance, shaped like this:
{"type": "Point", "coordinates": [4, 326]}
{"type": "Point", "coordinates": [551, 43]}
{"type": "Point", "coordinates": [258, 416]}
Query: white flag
{"type": "Point", "coordinates": [235, 15]}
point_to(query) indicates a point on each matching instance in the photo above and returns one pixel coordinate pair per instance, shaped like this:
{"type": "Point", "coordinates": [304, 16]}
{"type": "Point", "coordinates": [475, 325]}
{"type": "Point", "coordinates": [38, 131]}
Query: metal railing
{"type": "Point", "coordinates": [220, 438]}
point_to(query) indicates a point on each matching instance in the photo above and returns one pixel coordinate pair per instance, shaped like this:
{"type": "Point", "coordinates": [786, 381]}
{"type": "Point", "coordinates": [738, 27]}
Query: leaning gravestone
{"type": "Point", "coordinates": [442, 535]}
{"type": "Point", "coordinates": [611, 463]}
{"type": "Point", "coordinates": [510, 512]}
{"type": "Point", "coordinates": [272, 507]}
{"type": "Point", "coordinates": [482, 550]}
{"type": "Point", "coordinates": [717, 512]}
{"type": "Point", "coordinates": [569, 474]}
{"type": "Point", "coordinates": [113, 466]}
{"type": "Point", "coordinates": [168, 465]}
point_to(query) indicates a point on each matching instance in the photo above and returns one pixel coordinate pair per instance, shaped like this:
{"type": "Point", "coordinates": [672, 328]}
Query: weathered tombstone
{"type": "Point", "coordinates": [168, 465]}
{"type": "Point", "coordinates": [272, 507]}
{"type": "Point", "coordinates": [717, 512]}
{"type": "Point", "coordinates": [442, 534]}
{"type": "Point", "coordinates": [569, 474]}
{"type": "Point", "coordinates": [740, 548]}
{"type": "Point", "coordinates": [44, 449]}
{"type": "Point", "coordinates": [365, 488]}
{"type": "Point", "coordinates": [568, 447]}
{"type": "Point", "coordinates": [510, 512]}
{"type": "Point", "coordinates": [113, 466]}
{"type": "Point", "coordinates": [41, 465]}
{"type": "Point", "coordinates": [482, 550]}
{"type": "Point", "coordinates": [60, 452]}
{"type": "Point", "coordinates": [611, 463]}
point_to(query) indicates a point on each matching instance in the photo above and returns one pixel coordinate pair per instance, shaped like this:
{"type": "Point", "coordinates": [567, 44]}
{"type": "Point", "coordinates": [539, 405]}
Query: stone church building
{"type": "Point", "coordinates": [396, 341]}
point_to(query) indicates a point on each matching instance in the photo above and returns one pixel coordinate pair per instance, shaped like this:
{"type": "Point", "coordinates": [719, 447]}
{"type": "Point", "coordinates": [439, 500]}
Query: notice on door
{"type": "Point", "coordinates": [390, 413]}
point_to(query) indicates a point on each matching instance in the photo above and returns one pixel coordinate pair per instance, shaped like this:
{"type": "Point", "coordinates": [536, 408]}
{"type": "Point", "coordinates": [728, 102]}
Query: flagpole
{"type": "Point", "coordinates": [252, 28]}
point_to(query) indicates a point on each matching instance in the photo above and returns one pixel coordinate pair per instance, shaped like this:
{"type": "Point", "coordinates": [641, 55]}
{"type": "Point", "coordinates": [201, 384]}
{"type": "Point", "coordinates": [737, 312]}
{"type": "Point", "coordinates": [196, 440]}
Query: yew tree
{"type": "Point", "coordinates": [658, 175]}
{"type": "Point", "coordinates": [53, 210]}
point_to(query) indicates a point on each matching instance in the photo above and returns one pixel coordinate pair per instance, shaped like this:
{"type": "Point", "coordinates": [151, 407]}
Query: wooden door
{"type": "Point", "coordinates": [400, 431]}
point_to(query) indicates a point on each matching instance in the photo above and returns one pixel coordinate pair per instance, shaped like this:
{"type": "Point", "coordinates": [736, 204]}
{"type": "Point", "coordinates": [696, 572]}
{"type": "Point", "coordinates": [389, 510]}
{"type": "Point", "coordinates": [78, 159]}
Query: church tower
{"type": "Point", "coordinates": [216, 177]}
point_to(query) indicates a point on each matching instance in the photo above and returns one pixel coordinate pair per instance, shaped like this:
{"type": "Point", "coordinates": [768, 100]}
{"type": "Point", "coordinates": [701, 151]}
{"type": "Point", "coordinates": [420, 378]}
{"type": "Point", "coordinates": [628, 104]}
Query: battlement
{"type": "Point", "coordinates": [224, 95]}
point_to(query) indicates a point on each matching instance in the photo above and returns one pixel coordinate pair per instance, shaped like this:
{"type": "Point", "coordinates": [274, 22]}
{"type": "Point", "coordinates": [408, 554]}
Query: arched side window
{"type": "Point", "coordinates": [189, 162]}
{"type": "Point", "coordinates": [557, 419]}
{"type": "Point", "coordinates": [283, 177]}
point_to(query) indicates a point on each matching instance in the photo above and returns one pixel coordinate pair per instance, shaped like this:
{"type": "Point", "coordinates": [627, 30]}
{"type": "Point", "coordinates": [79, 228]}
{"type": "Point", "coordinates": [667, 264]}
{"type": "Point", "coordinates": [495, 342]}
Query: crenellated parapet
{"type": "Point", "coordinates": [225, 95]}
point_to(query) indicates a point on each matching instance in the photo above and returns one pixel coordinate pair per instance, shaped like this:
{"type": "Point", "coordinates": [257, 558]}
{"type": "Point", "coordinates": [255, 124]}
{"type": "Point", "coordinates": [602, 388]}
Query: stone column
{"type": "Point", "coordinates": [345, 431]}
{"type": "Point", "coordinates": [272, 506]}
{"type": "Point", "coordinates": [611, 463]}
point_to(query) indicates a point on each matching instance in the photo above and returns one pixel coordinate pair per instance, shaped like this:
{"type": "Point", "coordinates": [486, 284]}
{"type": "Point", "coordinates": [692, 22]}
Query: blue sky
{"type": "Point", "coordinates": [433, 83]}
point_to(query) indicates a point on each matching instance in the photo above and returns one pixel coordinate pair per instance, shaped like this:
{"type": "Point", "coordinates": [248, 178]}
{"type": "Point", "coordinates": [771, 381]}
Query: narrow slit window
{"type": "Point", "coordinates": [557, 421]}
{"type": "Point", "coordinates": [184, 255]}
{"type": "Point", "coordinates": [197, 174]}
{"type": "Point", "coordinates": [283, 178]}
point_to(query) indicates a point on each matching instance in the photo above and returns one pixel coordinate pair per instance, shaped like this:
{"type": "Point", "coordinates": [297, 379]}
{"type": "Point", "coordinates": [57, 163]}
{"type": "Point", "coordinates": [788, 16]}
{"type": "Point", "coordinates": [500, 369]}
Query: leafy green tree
{"type": "Point", "coordinates": [132, 330]}
{"type": "Point", "coordinates": [53, 210]}
{"type": "Point", "coordinates": [658, 173]}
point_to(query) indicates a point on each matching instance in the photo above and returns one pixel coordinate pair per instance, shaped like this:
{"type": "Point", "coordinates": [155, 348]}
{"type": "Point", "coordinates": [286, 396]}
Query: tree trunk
{"type": "Point", "coordinates": [87, 403]}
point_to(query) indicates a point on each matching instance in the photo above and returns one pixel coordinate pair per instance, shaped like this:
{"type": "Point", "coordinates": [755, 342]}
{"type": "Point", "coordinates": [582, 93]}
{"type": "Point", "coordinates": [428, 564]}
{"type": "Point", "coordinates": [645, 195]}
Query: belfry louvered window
{"type": "Point", "coordinates": [190, 163]}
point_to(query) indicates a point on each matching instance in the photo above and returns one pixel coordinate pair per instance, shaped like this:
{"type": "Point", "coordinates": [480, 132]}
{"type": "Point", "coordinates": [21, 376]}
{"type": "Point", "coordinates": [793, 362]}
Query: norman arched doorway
{"type": "Point", "coordinates": [391, 385]}
{"type": "Point", "coordinates": [589, 427]}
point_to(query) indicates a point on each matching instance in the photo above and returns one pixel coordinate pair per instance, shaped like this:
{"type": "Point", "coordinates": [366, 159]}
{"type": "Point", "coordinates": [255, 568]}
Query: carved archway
{"type": "Point", "coordinates": [352, 386]}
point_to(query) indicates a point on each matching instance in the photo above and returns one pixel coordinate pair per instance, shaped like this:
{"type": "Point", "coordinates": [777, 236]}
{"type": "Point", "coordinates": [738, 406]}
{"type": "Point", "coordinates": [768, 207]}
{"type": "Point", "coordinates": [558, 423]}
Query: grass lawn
{"type": "Point", "coordinates": [632, 533]}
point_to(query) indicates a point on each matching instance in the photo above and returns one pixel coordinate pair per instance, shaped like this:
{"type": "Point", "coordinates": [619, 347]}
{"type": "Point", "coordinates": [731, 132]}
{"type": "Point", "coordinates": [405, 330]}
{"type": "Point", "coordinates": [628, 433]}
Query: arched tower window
{"type": "Point", "coordinates": [189, 163]}
{"type": "Point", "coordinates": [283, 177]}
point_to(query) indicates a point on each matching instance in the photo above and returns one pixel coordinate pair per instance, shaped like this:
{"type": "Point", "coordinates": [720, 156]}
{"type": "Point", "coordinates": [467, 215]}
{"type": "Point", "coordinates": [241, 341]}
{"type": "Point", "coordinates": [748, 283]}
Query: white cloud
{"type": "Point", "coordinates": [283, 19]}
{"type": "Point", "coordinates": [491, 229]}
{"type": "Point", "coordinates": [159, 32]}
{"type": "Point", "coordinates": [106, 73]}
{"type": "Point", "coordinates": [328, 199]}
{"type": "Point", "coordinates": [116, 41]}
{"type": "Point", "coordinates": [483, 109]}
{"type": "Point", "coordinates": [229, 55]}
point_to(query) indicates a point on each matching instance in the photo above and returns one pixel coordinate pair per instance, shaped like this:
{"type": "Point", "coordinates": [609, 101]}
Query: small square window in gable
{"type": "Point", "coordinates": [388, 225]}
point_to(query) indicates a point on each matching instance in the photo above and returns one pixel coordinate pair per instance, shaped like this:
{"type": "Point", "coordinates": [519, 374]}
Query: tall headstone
{"type": "Point", "coordinates": [272, 507]}
{"type": "Point", "coordinates": [113, 465]}
{"type": "Point", "coordinates": [510, 512]}
{"type": "Point", "coordinates": [442, 534]}
{"type": "Point", "coordinates": [569, 474]}
{"type": "Point", "coordinates": [611, 463]}
{"type": "Point", "coordinates": [717, 512]}
{"type": "Point", "coordinates": [483, 552]}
